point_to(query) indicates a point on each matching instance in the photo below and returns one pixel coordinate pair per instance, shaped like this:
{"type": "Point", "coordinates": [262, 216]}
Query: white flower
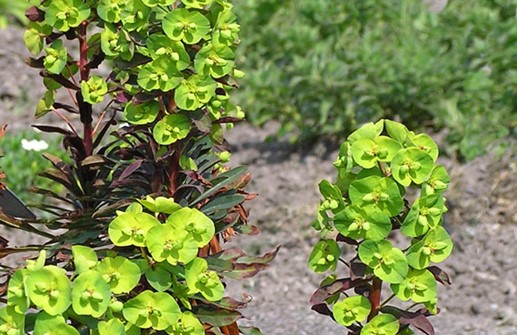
{"type": "Point", "coordinates": [34, 145]}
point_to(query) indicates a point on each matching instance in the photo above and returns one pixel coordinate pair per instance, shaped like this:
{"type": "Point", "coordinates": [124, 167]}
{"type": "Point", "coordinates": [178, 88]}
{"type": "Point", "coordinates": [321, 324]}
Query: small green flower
{"type": "Point", "coordinates": [412, 165]}
{"type": "Point", "coordinates": [171, 128]}
{"type": "Point", "coordinates": [120, 273]}
{"type": "Point", "coordinates": [435, 247]}
{"type": "Point", "coordinates": [94, 89]}
{"type": "Point", "coordinates": [214, 61]}
{"type": "Point", "coordinates": [358, 223]}
{"type": "Point", "coordinates": [11, 322]}
{"type": "Point", "coordinates": [377, 193]}
{"type": "Point", "coordinates": [188, 324]}
{"type": "Point", "coordinates": [143, 113]}
{"type": "Point", "coordinates": [368, 152]}
{"type": "Point", "coordinates": [388, 263]}
{"type": "Point", "coordinates": [160, 204]}
{"type": "Point", "coordinates": [157, 310]}
{"type": "Point", "coordinates": [49, 289]}
{"type": "Point", "coordinates": [153, 3]}
{"type": "Point", "coordinates": [351, 309]}
{"type": "Point", "coordinates": [161, 46]}
{"type": "Point", "coordinates": [111, 327]}
{"type": "Point", "coordinates": [383, 324]}
{"type": "Point", "coordinates": [112, 10]}
{"type": "Point", "coordinates": [63, 14]}
{"type": "Point", "coordinates": [34, 36]}
{"type": "Point", "coordinates": [198, 4]}
{"type": "Point", "coordinates": [226, 28]}
{"type": "Point", "coordinates": [16, 295]}
{"type": "Point", "coordinates": [419, 286]}
{"type": "Point", "coordinates": [324, 256]}
{"type": "Point", "coordinates": [90, 294]}
{"type": "Point", "coordinates": [199, 226]}
{"type": "Point", "coordinates": [176, 245]}
{"type": "Point", "coordinates": [131, 227]}
{"type": "Point", "coordinates": [160, 74]}
{"type": "Point", "coordinates": [200, 279]}
{"type": "Point", "coordinates": [56, 57]}
{"type": "Point", "coordinates": [194, 92]}
{"type": "Point", "coordinates": [184, 25]}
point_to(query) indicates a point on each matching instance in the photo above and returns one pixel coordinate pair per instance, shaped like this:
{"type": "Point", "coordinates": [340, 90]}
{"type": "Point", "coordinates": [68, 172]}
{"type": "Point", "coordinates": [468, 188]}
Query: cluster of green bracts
{"type": "Point", "coordinates": [376, 166]}
{"type": "Point", "coordinates": [107, 294]}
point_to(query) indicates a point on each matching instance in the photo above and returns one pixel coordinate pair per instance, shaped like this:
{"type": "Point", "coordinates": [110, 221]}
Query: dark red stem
{"type": "Point", "coordinates": [85, 108]}
{"type": "Point", "coordinates": [375, 297]}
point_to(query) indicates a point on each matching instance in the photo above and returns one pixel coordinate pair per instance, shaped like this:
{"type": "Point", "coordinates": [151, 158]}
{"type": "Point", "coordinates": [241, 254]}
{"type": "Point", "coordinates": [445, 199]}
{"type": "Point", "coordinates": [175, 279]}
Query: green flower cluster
{"type": "Point", "coordinates": [181, 51]}
{"type": "Point", "coordinates": [120, 295]}
{"type": "Point", "coordinates": [376, 166]}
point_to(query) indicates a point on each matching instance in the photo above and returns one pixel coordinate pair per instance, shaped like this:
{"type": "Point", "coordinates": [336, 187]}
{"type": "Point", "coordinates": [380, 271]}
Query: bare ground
{"type": "Point", "coordinates": [482, 220]}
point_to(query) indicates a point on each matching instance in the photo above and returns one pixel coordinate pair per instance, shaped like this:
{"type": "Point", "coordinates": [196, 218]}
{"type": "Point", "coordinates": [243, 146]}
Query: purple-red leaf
{"type": "Point", "coordinates": [327, 291]}
{"type": "Point", "coordinates": [346, 239]}
{"type": "Point", "coordinates": [216, 316]}
{"type": "Point", "coordinates": [417, 320]}
{"type": "Point", "coordinates": [440, 275]}
{"type": "Point", "coordinates": [322, 309]}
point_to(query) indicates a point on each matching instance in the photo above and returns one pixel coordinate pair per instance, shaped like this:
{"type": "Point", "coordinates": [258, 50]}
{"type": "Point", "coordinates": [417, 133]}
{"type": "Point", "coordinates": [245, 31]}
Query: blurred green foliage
{"type": "Point", "coordinates": [22, 160]}
{"type": "Point", "coordinates": [325, 67]}
{"type": "Point", "coordinates": [12, 10]}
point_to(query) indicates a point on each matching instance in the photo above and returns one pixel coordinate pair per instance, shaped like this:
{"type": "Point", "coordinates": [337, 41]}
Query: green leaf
{"type": "Point", "coordinates": [397, 131]}
{"type": "Point", "coordinates": [159, 278]}
{"type": "Point", "coordinates": [351, 309]}
{"type": "Point", "coordinates": [56, 57]}
{"type": "Point", "coordinates": [435, 247]}
{"type": "Point", "coordinates": [90, 294]}
{"type": "Point", "coordinates": [385, 324]}
{"type": "Point", "coordinates": [419, 286]}
{"type": "Point", "coordinates": [188, 324]}
{"type": "Point", "coordinates": [84, 257]}
{"type": "Point", "coordinates": [324, 256]}
{"type": "Point", "coordinates": [197, 224]}
{"type": "Point", "coordinates": [357, 223]}
{"type": "Point", "coordinates": [11, 322]}
{"type": "Point", "coordinates": [160, 74]}
{"type": "Point", "coordinates": [162, 47]}
{"type": "Point", "coordinates": [171, 243]}
{"type": "Point", "coordinates": [214, 61]}
{"type": "Point", "coordinates": [52, 325]}
{"type": "Point", "coordinates": [131, 227]}
{"type": "Point", "coordinates": [194, 92]}
{"type": "Point", "coordinates": [39, 263]}
{"type": "Point", "coordinates": [186, 26]}
{"type": "Point", "coordinates": [411, 165]}
{"type": "Point", "coordinates": [157, 310]}
{"type": "Point", "coordinates": [111, 327]}
{"type": "Point", "coordinates": [120, 273]}
{"type": "Point", "coordinates": [49, 289]}
{"type": "Point", "coordinates": [45, 104]}
{"type": "Point", "coordinates": [160, 204]}
{"type": "Point", "coordinates": [34, 36]}
{"type": "Point", "coordinates": [172, 128]}
{"type": "Point", "coordinates": [143, 113]}
{"type": "Point", "coordinates": [376, 192]}
{"type": "Point", "coordinates": [388, 263]}
{"type": "Point", "coordinates": [369, 130]}
{"type": "Point", "coordinates": [64, 14]}
{"type": "Point", "coordinates": [200, 279]}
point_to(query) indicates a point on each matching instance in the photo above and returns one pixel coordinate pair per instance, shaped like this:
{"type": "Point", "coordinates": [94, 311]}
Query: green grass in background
{"type": "Point", "coordinates": [22, 166]}
{"type": "Point", "coordinates": [12, 11]}
{"type": "Point", "coordinates": [322, 68]}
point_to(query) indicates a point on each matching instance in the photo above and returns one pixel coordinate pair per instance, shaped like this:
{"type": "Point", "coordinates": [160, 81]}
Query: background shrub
{"type": "Point", "coordinates": [323, 68]}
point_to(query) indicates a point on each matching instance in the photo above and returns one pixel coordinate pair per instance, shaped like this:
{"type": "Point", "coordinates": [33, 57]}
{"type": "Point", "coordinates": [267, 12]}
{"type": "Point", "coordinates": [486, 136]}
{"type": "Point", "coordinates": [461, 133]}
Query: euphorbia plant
{"type": "Point", "coordinates": [388, 180]}
{"type": "Point", "coordinates": [136, 242]}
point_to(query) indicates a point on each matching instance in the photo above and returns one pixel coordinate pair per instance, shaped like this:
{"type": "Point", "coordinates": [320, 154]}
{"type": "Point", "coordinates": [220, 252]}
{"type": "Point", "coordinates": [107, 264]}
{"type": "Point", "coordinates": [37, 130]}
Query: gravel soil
{"type": "Point", "coordinates": [482, 220]}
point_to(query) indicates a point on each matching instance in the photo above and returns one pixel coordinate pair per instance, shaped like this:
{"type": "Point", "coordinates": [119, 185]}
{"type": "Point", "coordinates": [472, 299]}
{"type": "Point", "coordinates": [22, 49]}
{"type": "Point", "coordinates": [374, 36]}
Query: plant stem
{"type": "Point", "coordinates": [375, 297]}
{"type": "Point", "coordinates": [84, 107]}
